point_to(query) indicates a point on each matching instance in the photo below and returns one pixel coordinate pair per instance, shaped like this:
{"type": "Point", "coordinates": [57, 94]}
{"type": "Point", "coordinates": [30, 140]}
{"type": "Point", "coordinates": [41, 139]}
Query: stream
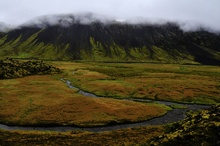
{"type": "Point", "coordinates": [174, 115]}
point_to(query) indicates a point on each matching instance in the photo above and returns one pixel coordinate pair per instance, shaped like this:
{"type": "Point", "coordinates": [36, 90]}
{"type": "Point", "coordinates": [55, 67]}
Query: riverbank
{"type": "Point", "coordinates": [171, 116]}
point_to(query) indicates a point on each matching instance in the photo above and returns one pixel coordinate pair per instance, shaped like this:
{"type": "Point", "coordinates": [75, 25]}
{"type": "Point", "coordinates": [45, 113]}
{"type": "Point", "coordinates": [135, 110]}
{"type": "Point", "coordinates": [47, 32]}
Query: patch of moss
{"type": "Point", "coordinates": [10, 68]}
{"type": "Point", "coordinates": [177, 106]}
{"type": "Point", "coordinates": [201, 128]}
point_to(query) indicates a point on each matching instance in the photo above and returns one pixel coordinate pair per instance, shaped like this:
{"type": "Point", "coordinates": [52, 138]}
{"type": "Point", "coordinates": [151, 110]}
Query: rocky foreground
{"type": "Point", "coordinates": [10, 68]}
{"type": "Point", "coordinates": [202, 128]}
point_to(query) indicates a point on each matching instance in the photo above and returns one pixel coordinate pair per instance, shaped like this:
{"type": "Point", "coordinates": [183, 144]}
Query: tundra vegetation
{"type": "Point", "coordinates": [10, 68]}
{"type": "Point", "coordinates": [41, 98]}
{"type": "Point", "coordinates": [46, 101]}
{"type": "Point", "coordinates": [170, 82]}
{"type": "Point", "coordinates": [200, 128]}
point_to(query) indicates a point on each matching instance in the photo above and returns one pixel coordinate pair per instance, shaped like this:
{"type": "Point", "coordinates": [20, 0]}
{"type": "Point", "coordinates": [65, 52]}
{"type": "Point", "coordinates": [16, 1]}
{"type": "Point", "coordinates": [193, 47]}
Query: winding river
{"type": "Point", "coordinates": [172, 116]}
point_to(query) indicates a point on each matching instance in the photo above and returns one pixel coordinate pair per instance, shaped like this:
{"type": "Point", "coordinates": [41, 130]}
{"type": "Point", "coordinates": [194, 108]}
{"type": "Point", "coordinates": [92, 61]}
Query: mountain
{"type": "Point", "coordinates": [4, 27]}
{"type": "Point", "coordinates": [67, 38]}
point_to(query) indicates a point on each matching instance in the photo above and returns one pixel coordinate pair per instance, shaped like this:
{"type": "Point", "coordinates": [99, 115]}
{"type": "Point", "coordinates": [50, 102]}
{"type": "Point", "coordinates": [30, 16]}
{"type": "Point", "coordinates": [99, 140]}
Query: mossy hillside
{"type": "Point", "coordinates": [2, 39]}
{"type": "Point", "coordinates": [117, 53]}
{"type": "Point", "coordinates": [31, 48]}
{"type": "Point", "coordinates": [112, 43]}
{"type": "Point", "coordinates": [99, 53]}
{"type": "Point", "coordinates": [196, 129]}
{"type": "Point", "coordinates": [7, 48]}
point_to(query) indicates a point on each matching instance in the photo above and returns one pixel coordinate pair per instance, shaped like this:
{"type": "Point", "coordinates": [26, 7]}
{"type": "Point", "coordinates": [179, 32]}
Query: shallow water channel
{"type": "Point", "coordinates": [171, 116]}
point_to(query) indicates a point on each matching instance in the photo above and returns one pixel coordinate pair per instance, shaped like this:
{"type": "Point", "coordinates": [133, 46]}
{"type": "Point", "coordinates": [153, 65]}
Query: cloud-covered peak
{"type": "Point", "coordinates": [5, 27]}
{"type": "Point", "coordinates": [66, 20]}
{"type": "Point", "coordinates": [190, 14]}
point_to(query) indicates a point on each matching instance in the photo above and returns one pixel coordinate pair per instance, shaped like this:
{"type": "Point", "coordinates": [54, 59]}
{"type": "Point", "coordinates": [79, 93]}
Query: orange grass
{"type": "Point", "coordinates": [180, 83]}
{"type": "Point", "coordinates": [131, 136]}
{"type": "Point", "coordinates": [45, 100]}
{"type": "Point", "coordinates": [177, 87]}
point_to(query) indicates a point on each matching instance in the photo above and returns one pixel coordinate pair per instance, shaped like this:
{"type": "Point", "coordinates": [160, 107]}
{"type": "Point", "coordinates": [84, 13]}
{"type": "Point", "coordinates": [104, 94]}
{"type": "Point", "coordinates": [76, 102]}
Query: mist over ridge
{"type": "Point", "coordinates": [66, 20]}
{"type": "Point", "coordinates": [190, 15]}
{"type": "Point", "coordinates": [94, 37]}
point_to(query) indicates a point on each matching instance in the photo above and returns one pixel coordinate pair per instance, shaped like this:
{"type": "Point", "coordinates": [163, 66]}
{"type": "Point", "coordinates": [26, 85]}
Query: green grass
{"type": "Point", "coordinates": [30, 49]}
{"type": "Point", "coordinates": [177, 106]}
{"type": "Point", "coordinates": [130, 136]}
{"type": "Point", "coordinates": [171, 82]}
{"type": "Point", "coordinates": [45, 100]}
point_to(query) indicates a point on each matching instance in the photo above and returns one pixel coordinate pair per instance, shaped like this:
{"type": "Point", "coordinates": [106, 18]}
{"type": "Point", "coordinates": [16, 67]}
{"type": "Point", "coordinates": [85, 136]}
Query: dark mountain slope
{"type": "Point", "coordinates": [112, 42]}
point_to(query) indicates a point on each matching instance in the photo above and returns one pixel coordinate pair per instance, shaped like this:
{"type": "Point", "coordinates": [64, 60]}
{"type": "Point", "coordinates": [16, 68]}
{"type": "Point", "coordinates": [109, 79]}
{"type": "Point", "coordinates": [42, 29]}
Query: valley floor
{"type": "Point", "coordinates": [45, 100]}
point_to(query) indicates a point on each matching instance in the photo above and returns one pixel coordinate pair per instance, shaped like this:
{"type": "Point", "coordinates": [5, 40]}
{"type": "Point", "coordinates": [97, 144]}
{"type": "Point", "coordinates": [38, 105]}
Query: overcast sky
{"type": "Point", "coordinates": [190, 12]}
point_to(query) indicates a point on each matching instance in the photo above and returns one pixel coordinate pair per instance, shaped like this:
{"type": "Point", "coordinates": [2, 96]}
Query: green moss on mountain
{"type": "Point", "coordinates": [112, 42]}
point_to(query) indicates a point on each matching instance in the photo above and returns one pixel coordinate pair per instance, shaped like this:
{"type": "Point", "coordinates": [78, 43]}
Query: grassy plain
{"type": "Point", "coordinates": [124, 137]}
{"type": "Point", "coordinates": [170, 82]}
{"type": "Point", "coordinates": [45, 100]}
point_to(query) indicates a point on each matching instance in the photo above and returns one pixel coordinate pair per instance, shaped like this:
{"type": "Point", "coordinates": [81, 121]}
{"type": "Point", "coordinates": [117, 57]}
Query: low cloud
{"type": "Point", "coordinates": [190, 15]}
{"type": "Point", "coordinates": [66, 20]}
